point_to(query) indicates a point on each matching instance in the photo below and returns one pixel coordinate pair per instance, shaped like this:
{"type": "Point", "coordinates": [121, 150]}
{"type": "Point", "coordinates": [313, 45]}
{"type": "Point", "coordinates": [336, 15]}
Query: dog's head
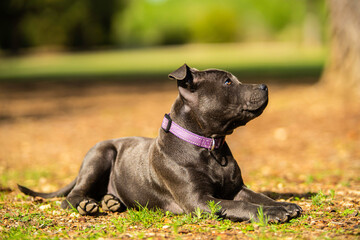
{"type": "Point", "coordinates": [218, 100]}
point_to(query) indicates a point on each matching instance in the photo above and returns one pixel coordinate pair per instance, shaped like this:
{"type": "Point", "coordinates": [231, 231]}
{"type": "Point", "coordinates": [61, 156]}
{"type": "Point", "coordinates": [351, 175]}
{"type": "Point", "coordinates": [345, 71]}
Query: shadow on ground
{"type": "Point", "coordinates": [289, 195]}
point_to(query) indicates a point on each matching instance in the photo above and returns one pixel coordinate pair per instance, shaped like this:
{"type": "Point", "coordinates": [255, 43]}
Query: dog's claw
{"type": "Point", "coordinates": [88, 207]}
{"type": "Point", "coordinates": [276, 220]}
{"type": "Point", "coordinates": [287, 217]}
{"type": "Point", "coordinates": [296, 213]}
{"type": "Point", "coordinates": [293, 210]}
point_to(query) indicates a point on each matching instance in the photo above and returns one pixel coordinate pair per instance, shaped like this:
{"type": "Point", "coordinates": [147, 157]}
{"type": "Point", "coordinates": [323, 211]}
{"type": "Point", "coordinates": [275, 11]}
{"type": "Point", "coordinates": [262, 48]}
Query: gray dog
{"type": "Point", "coordinates": [187, 165]}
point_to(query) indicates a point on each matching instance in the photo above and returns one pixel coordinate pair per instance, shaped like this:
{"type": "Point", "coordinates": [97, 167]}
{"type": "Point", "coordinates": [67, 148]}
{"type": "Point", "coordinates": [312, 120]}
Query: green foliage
{"type": "Point", "coordinates": [320, 199]}
{"type": "Point", "coordinates": [213, 214]}
{"type": "Point", "coordinates": [89, 23]}
{"type": "Point", "coordinates": [218, 24]}
{"type": "Point", "coordinates": [82, 23]}
{"type": "Point", "coordinates": [26, 221]}
{"type": "Point", "coordinates": [145, 216]}
{"type": "Point", "coordinates": [34, 174]}
{"type": "Point", "coordinates": [310, 179]}
{"type": "Point", "coordinates": [72, 208]}
{"type": "Point", "coordinates": [147, 22]}
{"type": "Point", "coordinates": [215, 209]}
{"type": "Point", "coordinates": [120, 224]}
{"type": "Point", "coordinates": [198, 213]}
{"type": "Point", "coordinates": [332, 194]}
{"type": "Point", "coordinates": [347, 211]}
{"type": "Point", "coordinates": [263, 220]}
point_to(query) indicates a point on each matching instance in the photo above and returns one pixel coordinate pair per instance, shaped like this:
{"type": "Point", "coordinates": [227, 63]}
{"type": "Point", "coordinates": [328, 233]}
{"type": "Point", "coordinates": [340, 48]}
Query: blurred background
{"type": "Point", "coordinates": [149, 38]}
{"type": "Point", "coordinates": [90, 24]}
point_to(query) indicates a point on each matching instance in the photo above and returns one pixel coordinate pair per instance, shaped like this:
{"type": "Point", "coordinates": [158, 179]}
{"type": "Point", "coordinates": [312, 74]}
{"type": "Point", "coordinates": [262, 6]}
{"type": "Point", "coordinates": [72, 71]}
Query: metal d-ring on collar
{"type": "Point", "coordinates": [168, 125]}
{"type": "Point", "coordinates": [212, 144]}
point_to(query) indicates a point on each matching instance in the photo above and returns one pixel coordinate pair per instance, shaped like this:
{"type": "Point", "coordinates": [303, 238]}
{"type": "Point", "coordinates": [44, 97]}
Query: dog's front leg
{"type": "Point", "coordinates": [240, 210]}
{"type": "Point", "coordinates": [250, 196]}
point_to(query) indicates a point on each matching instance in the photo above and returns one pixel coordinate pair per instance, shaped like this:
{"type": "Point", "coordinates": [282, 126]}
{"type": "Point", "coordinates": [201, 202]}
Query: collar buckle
{"type": "Point", "coordinates": [168, 126]}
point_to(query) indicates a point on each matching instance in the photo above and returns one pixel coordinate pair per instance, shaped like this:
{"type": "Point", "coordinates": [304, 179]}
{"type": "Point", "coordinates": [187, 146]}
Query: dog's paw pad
{"type": "Point", "coordinates": [111, 203]}
{"type": "Point", "coordinates": [88, 207]}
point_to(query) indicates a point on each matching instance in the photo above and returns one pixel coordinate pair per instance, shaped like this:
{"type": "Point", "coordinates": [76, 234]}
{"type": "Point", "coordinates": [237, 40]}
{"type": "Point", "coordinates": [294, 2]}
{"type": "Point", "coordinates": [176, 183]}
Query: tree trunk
{"type": "Point", "coordinates": [343, 68]}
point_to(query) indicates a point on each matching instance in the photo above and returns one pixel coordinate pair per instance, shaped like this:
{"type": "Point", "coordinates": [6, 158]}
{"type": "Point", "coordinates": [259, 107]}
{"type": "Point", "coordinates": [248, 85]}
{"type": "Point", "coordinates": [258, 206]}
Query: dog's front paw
{"type": "Point", "coordinates": [276, 214]}
{"type": "Point", "coordinates": [111, 203]}
{"type": "Point", "coordinates": [88, 207]}
{"type": "Point", "coordinates": [293, 209]}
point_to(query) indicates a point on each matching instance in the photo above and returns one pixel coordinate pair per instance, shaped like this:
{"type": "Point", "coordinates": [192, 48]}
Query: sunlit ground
{"type": "Point", "coordinates": [307, 139]}
{"type": "Point", "coordinates": [306, 133]}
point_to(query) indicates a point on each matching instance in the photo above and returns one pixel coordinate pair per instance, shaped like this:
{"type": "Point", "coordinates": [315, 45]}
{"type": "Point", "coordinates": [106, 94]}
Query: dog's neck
{"type": "Point", "coordinates": [185, 117]}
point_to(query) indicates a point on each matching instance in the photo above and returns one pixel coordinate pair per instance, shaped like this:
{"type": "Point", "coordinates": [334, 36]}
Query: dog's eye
{"type": "Point", "coordinates": [228, 82]}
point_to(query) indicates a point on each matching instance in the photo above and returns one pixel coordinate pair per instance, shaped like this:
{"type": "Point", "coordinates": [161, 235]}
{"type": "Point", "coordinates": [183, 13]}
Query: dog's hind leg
{"type": "Point", "coordinates": [93, 179]}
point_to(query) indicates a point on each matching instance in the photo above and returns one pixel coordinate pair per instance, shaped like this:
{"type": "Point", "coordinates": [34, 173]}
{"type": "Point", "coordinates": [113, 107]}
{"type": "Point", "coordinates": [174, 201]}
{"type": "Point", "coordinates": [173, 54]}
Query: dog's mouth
{"type": "Point", "coordinates": [246, 114]}
{"type": "Point", "coordinates": [257, 110]}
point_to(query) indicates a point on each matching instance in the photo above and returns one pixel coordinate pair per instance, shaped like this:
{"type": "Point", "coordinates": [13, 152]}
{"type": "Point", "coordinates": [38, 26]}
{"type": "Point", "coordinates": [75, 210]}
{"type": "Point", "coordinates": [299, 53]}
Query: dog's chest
{"type": "Point", "coordinates": [226, 178]}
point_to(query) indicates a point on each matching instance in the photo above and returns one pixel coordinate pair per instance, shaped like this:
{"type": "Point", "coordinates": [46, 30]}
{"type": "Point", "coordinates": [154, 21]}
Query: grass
{"type": "Point", "coordinates": [259, 60]}
{"type": "Point", "coordinates": [321, 199]}
{"type": "Point", "coordinates": [263, 219]}
{"type": "Point", "coordinates": [32, 175]}
{"type": "Point", "coordinates": [30, 221]}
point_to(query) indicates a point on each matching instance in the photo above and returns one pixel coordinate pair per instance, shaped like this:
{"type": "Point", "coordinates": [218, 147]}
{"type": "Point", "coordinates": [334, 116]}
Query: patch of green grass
{"type": "Point", "coordinates": [215, 209]}
{"type": "Point", "coordinates": [309, 179]}
{"type": "Point", "coordinates": [146, 217]}
{"type": "Point", "coordinates": [10, 176]}
{"type": "Point", "coordinates": [29, 223]}
{"type": "Point", "coordinates": [321, 199]}
{"type": "Point", "coordinates": [198, 213]}
{"type": "Point", "coordinates": [37, 220]}
{"type": "Point", "coordinates": [72, 208]}
{"type": "Point", "coordinates": [120, 224]}
{"type": "Point", "coordinates": [263, 220]}
{"type": "Point", "coordinates": [332, 194]}
{"type": "Point", "coordinates": [33, 220]}
{"type": "Point", "coordinates": [259, 60]}
{"type": "Point", "coordinates": [3, 197]}
{"type": "Point", "coordinates": [345, 183]}
{"type": "Point", "coordinates": [347, 212]}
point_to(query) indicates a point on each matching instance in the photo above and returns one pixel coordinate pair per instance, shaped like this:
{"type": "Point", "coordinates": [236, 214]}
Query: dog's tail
{"type": "Point", "coordinates": [63, 192]}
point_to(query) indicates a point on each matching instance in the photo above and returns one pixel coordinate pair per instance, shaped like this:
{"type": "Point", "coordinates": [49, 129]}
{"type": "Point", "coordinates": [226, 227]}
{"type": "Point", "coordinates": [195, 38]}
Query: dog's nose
{"type": "Point", "coordinates": [263, 87]}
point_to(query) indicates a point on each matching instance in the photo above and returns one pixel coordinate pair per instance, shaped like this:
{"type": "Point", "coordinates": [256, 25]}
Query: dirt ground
{"type": "Point", "coordinates": [306, 141]}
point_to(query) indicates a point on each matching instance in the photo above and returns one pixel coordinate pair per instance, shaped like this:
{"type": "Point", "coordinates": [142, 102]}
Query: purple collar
{"type": "Point", "coordinates": [210, 143]}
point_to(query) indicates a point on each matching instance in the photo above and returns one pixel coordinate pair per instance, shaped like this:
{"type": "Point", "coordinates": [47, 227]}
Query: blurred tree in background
{"type": "Point", "coordinates": [73, 24]}
{"type": "Point", "coordinates": [343, 70]}
{"type": "Point", "coordinates": [85, 24]}
{"type": "Point", "coordinates": [156, 22]}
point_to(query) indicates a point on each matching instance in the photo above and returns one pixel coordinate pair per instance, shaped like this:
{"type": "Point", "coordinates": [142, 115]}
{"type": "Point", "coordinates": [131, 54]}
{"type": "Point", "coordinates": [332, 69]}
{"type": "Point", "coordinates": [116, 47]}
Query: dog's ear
{"type": "Point", "coordinates": [185, 81]}
{"type": "Point", "coordinates": [184, 76]}
{"type": "Point", "coordinates": [182, 73]}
